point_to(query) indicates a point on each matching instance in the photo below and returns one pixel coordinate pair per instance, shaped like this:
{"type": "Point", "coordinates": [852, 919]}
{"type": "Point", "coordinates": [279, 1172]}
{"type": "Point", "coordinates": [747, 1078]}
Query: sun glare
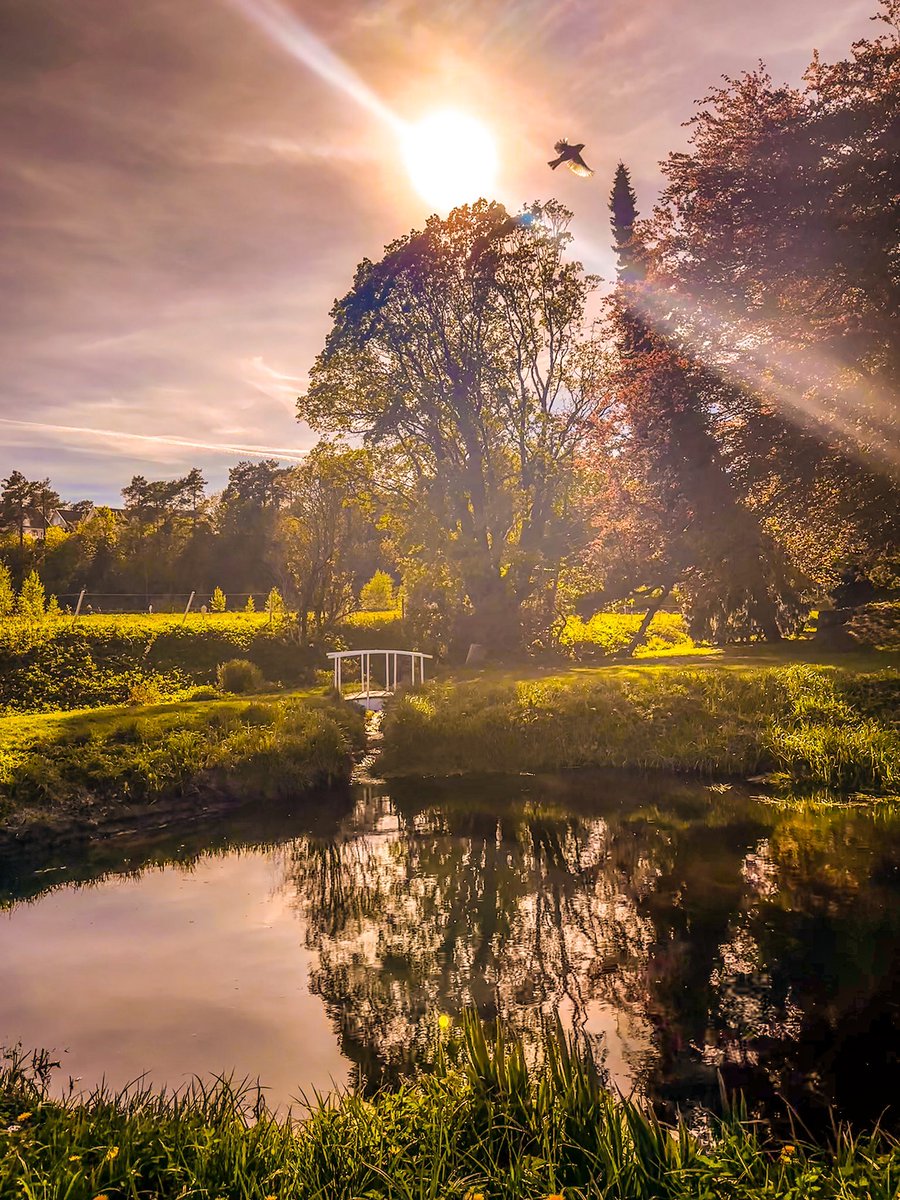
{"type": "Point", "coordinates": [451, 159]}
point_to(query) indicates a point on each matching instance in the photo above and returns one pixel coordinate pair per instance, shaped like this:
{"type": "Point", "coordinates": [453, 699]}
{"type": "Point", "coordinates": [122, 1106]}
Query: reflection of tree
{"type": "Point", "coordinates": [810, 972]}
{"type": "Point", "coordinates": [510, 907]}
{"type": "Point", "coordinates": [750, 940]}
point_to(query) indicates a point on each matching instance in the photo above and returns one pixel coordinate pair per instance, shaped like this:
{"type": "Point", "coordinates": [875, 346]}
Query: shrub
{"type": "Point", "coordinates": [606, 634]}
{"type": "Point", "coordinates": [239, 675]}
{"type": "Point", "coordinates": [250, 606]}
{"type": "Point", "coordinates": [7, 595]}
{"type": "Point", "coordinates": [218, 601]}
{"type": "Point", "coordinates": [145, 691]}
{"type": "Point", "coordinates": [32, 601]}
{"type": "Point", "coordinates": [378, 594]}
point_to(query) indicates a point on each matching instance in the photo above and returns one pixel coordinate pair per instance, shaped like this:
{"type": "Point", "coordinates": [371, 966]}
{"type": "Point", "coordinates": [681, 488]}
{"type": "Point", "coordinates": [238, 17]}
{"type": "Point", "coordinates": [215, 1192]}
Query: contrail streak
{"type": "Point", "coordinates": [158, 439]}
{"type": "Point", "coordinates": [287, 30]}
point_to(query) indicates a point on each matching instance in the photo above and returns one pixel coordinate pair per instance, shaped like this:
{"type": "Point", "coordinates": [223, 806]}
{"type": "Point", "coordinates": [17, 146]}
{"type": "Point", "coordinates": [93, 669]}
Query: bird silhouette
{"type": "Point", "coordinates": [571, 156]}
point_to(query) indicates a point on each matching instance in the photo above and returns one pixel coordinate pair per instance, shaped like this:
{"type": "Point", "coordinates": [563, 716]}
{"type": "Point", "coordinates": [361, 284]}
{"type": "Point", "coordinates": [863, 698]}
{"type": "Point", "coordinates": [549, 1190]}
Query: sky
{"type": "Point", "coordinates": [186, 186]}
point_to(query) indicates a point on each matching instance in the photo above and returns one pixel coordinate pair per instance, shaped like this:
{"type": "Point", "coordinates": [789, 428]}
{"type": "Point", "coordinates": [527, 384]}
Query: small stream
{"type": "Point", "coordinates": [686, 932]}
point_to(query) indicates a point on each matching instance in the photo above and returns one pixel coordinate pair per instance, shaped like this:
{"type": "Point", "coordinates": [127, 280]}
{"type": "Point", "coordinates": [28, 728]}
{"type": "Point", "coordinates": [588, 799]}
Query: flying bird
{"type": "Point", "coordinates": [571, 156]}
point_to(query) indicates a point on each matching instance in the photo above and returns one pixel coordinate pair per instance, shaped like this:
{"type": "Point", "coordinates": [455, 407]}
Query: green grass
{"type": "Point", "coordinates": [480, 1122]}
{"type": "Point", "coordinates": [808, 725]}
{"type": "Point", "coordinates": [607, 634]}
{"type": "Point", "coordinates": [263, 746]}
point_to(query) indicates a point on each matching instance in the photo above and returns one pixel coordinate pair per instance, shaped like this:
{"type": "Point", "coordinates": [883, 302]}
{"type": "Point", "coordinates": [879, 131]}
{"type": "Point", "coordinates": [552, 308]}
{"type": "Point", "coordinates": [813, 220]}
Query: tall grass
{"type": "Point", "coordinates": [482, 1121]}
{"type": "Point", "coordinates": [809, 726]}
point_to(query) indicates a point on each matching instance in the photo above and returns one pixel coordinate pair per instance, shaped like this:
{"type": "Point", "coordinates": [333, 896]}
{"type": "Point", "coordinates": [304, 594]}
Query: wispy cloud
{"type": "Point", "coordinates": [119, 435]}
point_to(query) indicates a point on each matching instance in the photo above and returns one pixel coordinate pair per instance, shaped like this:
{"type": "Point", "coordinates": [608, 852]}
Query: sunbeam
{"type": "Point", "coordinates": [286, 29]}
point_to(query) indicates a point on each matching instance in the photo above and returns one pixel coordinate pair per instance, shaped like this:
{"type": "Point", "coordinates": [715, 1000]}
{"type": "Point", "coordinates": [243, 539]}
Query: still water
{"type": "Point", "coordinates": [685, 932]}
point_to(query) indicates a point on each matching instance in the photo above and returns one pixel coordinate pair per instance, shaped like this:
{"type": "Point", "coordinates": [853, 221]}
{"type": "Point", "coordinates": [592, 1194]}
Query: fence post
{"type": "Point", "coordinates": [188, 607]}
{"type": "Point", "coordinates": [78, 606]}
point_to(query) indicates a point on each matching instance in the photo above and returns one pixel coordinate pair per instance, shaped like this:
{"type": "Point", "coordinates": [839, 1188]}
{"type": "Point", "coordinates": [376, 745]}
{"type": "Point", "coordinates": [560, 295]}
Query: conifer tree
{"type": "Point", "coordinates": [623, 218]}
{"type": "Point", "coordinates": [218, 601]}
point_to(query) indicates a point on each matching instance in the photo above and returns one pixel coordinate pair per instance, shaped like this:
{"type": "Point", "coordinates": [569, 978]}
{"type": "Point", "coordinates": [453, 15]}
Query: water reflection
{"type": "Point", "coordinates": [681, 930]}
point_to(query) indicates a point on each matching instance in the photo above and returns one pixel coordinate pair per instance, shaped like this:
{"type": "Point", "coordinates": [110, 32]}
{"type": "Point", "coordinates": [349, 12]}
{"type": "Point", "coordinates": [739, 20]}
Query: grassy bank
{"type": "Point", "coordinates": [479, 1124]}
{"type": "Point", "coordinates": [100, 761]}
{"type": "Point", "coordinates": [808, 725]}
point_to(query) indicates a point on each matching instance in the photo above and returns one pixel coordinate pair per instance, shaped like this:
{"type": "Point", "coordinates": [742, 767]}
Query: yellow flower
{"type": "Point", "coordinates": [444, 1021]}
{"type": "Point", "coordinates": [23, 1116]}
{"type": "Point", "coordinates": [112, 1152]}
{"type": "Point", "coordinates": [555, 1196]}
{"type": "Point", "coordinates": [102, 1196]}
{"type": "Point", "coordinates": [787, 1153]}
{"type": "Point", "coordinates": [475, 1196]}
{"type": "Point", "coordinates": [74, 1158]}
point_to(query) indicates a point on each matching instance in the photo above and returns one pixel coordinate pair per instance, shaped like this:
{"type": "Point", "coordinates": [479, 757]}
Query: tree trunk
{"type": "Point", "coordinates": [651, 612]}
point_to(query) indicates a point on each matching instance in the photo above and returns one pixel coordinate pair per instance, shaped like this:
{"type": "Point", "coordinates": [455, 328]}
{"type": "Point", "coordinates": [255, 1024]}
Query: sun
{"type": "Point", "coordinates": [451, 158]}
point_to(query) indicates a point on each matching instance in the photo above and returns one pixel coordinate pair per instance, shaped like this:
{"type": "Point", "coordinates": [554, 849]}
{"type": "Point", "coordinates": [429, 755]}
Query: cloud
{"type": "Point", "coordinates": [182, 200]}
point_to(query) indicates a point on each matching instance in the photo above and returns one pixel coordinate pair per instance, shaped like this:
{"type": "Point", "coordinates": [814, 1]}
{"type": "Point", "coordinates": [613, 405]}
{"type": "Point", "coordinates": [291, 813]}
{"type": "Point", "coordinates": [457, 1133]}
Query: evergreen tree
{"type": "Point", "coordinates": [667, 502]}
{"type": "Point", "coordinates": [623, 218]}
{"type": "Point", "coordinates": [218, 601]}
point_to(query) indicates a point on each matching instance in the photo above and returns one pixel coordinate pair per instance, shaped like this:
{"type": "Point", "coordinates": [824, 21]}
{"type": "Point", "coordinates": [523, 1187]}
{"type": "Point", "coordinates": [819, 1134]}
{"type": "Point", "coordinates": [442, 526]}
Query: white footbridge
{"type": "Point", "coordinates": [391, 668]}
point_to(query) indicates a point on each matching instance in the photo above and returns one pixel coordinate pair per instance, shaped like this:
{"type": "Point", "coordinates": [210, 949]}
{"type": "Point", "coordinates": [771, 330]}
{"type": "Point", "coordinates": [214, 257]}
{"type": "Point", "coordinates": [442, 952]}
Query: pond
{"type": "Point", "coordinates": [686, 932]}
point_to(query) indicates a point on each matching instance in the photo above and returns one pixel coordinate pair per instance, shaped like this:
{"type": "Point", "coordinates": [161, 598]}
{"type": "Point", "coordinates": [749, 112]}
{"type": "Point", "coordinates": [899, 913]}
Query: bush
{"type": "Point", "coordinates": [217, 601]}
{"type": "Point", "coordinates": [7, 595]}
{"type": "Point", "coordinates": [97, 659]}
{"type": "Point", "coordinates": [145, 691]}
{"type": "Point", "coordinates": [31, 603]}
{"type": "Point", "coordinates": [239, 675]}
{"type": "Point", "coordinates": [378, 594]}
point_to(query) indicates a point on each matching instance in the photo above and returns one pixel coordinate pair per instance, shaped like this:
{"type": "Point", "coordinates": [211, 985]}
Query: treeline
{"type": "Point", "coordinates": [723, 438]}
{"type": "Point", "coordinates": [308, 532]}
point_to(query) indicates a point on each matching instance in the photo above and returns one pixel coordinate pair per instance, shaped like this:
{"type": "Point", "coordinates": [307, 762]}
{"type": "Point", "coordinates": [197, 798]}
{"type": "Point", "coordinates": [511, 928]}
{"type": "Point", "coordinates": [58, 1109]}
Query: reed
{"type": "Point", "coordinates": [482, 1121]}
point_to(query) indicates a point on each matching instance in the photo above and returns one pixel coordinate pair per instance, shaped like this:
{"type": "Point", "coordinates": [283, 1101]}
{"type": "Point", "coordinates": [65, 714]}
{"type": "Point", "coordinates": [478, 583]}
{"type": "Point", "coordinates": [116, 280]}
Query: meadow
{"type": "Point", "coordinates": [480, 1124]}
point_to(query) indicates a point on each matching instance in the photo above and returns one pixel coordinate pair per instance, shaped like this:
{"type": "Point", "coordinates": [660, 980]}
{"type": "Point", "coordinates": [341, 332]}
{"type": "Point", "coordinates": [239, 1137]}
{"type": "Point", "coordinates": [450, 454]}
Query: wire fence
{"type": "Point", "coordinates": [123, 603]}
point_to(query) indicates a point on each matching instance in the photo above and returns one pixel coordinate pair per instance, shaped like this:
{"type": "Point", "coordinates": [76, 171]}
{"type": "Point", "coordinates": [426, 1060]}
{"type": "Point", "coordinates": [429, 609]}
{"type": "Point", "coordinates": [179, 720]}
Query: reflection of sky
{"type": "Point", "coordinates": [182, 200]}
{"type": "Point", "coordinates": [175, 973]}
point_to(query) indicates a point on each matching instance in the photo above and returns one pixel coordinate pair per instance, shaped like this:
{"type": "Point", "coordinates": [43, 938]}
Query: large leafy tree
{"type": "Point", "coordinates": [323, 537]}
{"type": "Point", "coordinates": [775, 261]}
{"type": "Point", "coordinates": [461, 356]}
